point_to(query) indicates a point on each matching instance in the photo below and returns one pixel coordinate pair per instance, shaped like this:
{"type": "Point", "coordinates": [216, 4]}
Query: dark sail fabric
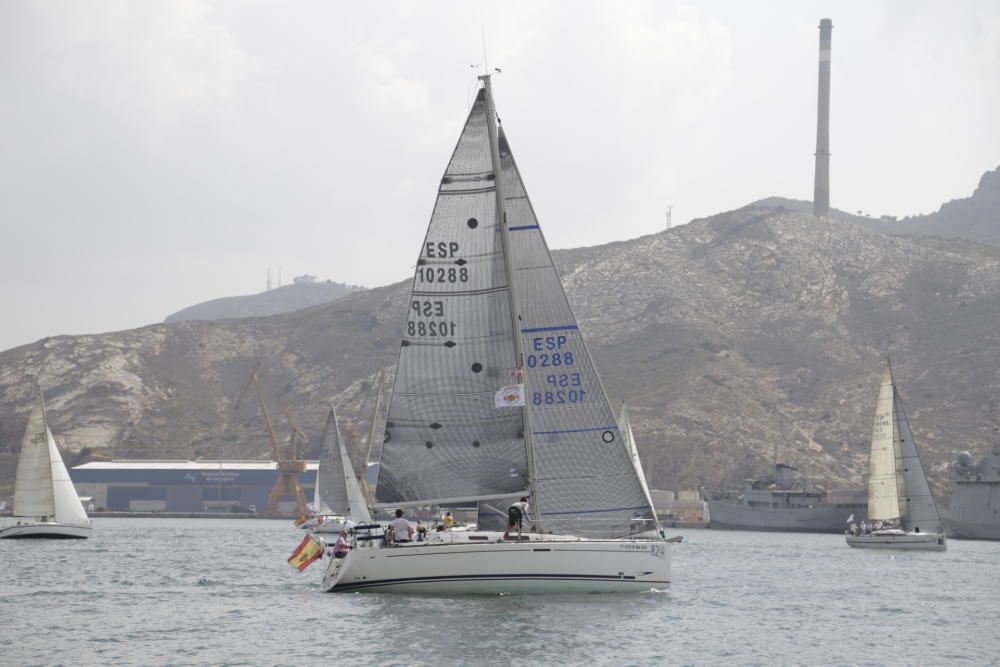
{"type": "Point", "coordinates": [585, 482]}
{"type": "Point", "coordinates": [916, 502]}
{"type": "Point", "coordinates": [444, 437]}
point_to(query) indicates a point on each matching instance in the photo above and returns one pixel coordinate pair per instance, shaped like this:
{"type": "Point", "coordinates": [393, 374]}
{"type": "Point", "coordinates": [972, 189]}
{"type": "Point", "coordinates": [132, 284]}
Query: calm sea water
{"type": "Point", "coordinates": [219, 592]}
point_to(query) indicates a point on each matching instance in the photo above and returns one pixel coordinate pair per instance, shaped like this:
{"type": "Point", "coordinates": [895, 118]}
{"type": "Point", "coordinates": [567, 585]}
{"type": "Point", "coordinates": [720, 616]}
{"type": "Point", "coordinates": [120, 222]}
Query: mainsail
{"type": "Point", "coordinates": [445, 439]}
{"type": "Point", "coordinates": [33, 493]}
{"type": "Point", "coordinates": [916, 503]}
{"type": "Point", "coordinates": [319, 506]}
{"type": "Point", "coordinates": [883, 484]}
{"type": "Point", "coordinates": [495, 386]}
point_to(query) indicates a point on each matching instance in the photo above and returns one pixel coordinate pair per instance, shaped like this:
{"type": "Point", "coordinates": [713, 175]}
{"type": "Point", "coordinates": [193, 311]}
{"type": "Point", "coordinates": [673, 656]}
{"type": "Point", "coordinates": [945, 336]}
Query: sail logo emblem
{"type": "Point", "coordinates": [511, 396]}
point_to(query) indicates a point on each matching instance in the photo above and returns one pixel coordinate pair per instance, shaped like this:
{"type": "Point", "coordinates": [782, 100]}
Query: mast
{"type": "Point", "coordinates": [45, 428]}
{"type": "Point", "coordinates": [515, 311]}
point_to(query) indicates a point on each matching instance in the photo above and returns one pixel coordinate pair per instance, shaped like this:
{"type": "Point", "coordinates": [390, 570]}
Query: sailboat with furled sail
{"type": "Point", "coordinates": [496, 397]}
{"type": "Point", "coordinates": [46, 504]}
{"type": "Point", "coordinates": [901, 509]}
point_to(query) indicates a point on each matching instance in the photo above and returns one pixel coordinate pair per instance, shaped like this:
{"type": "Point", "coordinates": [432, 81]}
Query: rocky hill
{"type": "Point", "coordinates": [285, 299]}
{"type": "Point", "coordinates": [975, 218]}
{"type": "Point", "coordinates": [727, 336]}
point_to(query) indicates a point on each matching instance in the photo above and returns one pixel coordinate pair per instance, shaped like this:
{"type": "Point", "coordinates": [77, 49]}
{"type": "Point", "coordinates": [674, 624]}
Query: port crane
{"type": "Point", "coordinates": [288, 463]}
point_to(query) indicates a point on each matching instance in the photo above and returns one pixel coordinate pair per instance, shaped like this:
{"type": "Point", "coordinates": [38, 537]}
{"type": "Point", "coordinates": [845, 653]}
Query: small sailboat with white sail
{"type": "Point", "coordinates": [496, 397]}
{"type": "Point", "coordinates": [46, 504]}
{"type": "Point", "coordinates": [901, 509]}
{"type": "Point", "coordinates": [338, 500]}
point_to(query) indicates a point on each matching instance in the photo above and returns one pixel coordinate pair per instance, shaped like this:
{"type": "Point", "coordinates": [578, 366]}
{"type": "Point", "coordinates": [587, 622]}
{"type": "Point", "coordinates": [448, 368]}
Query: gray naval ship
{"type": "Point", "coordinates": [974, 510]}
{"type": "Point", "coordinates": [781, 503]}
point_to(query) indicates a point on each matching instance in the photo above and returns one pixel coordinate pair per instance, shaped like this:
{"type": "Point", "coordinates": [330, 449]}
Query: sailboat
{"type": "Point", "coordinates": [45, 501]}
{"type": "Point", "coordinates": [496, 397]}
{"type": "Point", "coordinates": [338, 499]}
{"type": "Point", "coordinates": [901, 509]}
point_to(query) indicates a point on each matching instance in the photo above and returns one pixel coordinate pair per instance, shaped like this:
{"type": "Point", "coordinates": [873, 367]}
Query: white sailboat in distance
{"type": "Point", "coordinates": [46, 504]}
{"type": "Point", "coordinates": [901, 509]}
{"type": "Point", "coordinates": [338, 498]}
{"type": "Point", "coordinates": [496, 397]}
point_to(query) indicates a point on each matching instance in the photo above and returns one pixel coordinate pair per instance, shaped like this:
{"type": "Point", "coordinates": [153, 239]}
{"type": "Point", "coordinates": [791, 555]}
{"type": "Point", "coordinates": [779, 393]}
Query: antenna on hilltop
{"type": "Point", "coordinates": [670, 215]}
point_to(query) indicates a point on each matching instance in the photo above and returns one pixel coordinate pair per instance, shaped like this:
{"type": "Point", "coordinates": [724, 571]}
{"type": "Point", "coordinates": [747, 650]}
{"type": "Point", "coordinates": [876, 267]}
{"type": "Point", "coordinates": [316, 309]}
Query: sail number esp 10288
{"type": "Point", "coordinates": [442, 274]}
{"type": "Point", "coordinates": [435, 325]}
{"type": "Point", "coordinates": [566, 387]}
{"type": "Point", "coordinates": [547, 352]}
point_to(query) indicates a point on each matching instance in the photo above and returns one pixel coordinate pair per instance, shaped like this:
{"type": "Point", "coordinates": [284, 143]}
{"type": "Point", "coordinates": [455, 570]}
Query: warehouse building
{"type": "Point", "coordinates": [185, 486]}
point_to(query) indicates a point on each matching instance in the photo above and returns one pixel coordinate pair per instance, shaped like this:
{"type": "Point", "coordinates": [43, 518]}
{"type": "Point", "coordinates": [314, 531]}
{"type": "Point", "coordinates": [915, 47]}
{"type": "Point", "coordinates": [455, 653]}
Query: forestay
{"type": "Point", "coordinates": [445, 439]}
{"type": "Point", "coordinates": [33, 494]}
{"type": "Point", "coordinates": [585, 481]}
{"type": "Point", "coordinates": [883, 483]}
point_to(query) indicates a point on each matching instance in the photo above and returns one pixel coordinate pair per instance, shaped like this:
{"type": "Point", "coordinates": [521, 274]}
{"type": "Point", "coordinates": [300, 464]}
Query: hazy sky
{"type": "Point", "coordinates": [158, 154]}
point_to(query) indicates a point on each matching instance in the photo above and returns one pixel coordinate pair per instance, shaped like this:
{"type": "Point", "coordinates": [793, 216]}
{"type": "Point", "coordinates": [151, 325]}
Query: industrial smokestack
{"type": "Point", "coordinates": [821, 190]}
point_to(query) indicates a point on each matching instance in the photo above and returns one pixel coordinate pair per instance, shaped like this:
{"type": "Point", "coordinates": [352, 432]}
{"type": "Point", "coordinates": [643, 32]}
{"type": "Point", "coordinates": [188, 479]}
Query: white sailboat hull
{"type": "Point", "coordinates": [331, 525]}
{"type": "Point", "coordinates": [542, 564]}
{"type": "Point", "coordinates": [45, 529]}
{"type": "Point", "coordinates": [899, 541]}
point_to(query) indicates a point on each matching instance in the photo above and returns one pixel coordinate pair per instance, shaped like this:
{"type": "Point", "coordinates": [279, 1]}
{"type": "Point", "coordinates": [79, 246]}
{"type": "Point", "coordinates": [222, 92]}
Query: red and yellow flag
{"type": "Point", "coordinates": [308, 551]}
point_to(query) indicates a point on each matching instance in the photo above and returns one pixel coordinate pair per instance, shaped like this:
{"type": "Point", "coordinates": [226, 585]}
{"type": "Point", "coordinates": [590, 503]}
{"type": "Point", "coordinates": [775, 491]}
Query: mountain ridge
{"type": "Point", "coordinates": [973, 218]}
{"type": "Point", "coordinates": [283, 299]}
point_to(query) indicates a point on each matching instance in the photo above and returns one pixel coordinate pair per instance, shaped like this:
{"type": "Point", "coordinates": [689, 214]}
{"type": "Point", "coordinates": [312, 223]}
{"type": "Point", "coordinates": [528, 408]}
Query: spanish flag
{"type": "Point", "coordinates": [308, 551]}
